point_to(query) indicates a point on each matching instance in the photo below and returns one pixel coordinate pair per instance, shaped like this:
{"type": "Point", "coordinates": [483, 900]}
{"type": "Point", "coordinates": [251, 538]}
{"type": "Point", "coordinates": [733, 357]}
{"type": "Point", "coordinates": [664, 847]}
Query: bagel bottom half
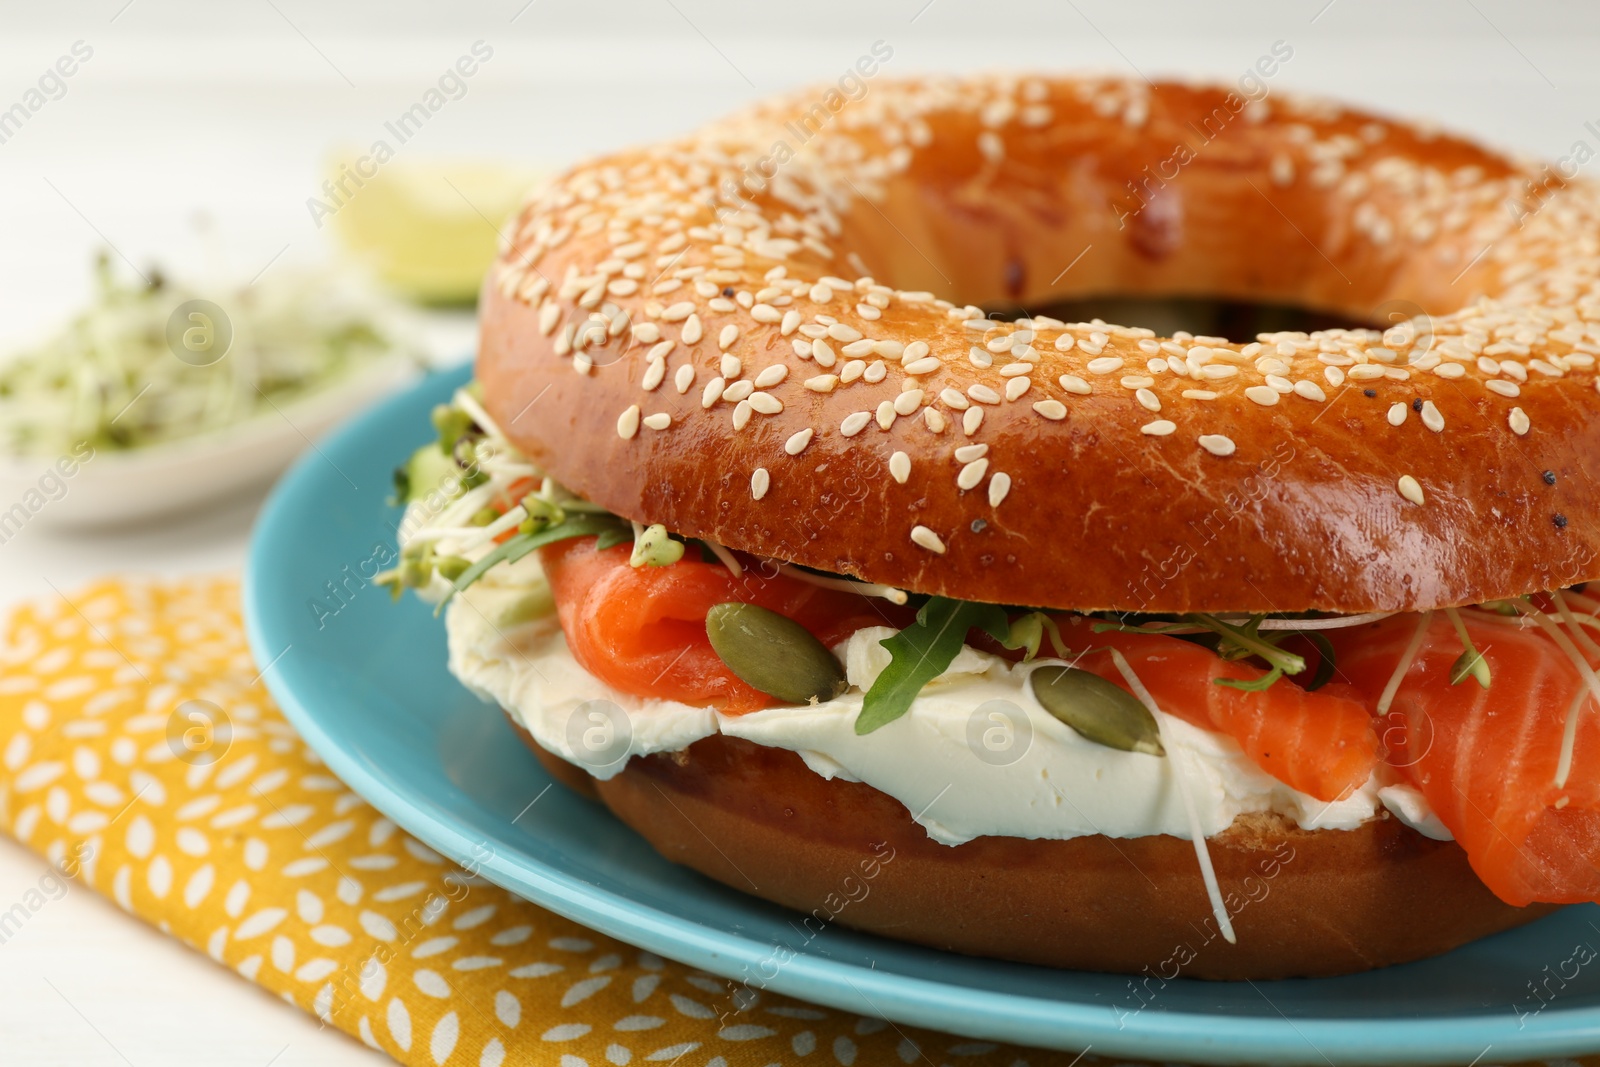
{"type": "Point", "coordinates": [1304, 903]}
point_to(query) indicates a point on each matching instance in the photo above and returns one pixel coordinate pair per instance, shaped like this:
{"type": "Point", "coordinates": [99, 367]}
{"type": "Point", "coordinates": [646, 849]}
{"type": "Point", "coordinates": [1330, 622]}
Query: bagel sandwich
{"type": "Point", "coordinates": [1062, 642]}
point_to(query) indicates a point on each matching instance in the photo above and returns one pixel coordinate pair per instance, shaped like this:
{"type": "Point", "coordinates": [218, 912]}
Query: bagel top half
{"type": "Point", "coordinates": [770, 334]}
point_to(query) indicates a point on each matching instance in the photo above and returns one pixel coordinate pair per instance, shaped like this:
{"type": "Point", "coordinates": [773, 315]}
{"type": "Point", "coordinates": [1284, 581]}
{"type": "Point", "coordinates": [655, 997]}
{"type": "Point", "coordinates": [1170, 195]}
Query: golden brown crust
{"type": "Point", "coordinates": [1015, 191]}
{"type": "Point", "coordinates": [1303, 903]}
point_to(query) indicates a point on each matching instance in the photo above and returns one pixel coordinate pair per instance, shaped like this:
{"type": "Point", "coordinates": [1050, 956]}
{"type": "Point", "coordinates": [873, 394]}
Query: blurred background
{"type": "Point", "coordinates": [194, 139]}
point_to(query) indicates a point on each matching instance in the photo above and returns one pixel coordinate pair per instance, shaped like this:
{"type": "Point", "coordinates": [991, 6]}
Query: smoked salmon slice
{"type": "Point", "coordinates": [1486, 759]}
{"type": "Point", "coordinates": [1321, 743]}
{"type": "Point", "coordinates": [642, 630]}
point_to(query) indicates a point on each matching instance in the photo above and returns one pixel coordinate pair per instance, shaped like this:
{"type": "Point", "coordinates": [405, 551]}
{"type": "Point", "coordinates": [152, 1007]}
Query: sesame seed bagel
{"type": "Point", "coordinates": [1306, 903]}
{"type": "Point", "coordinates": [770, 334]}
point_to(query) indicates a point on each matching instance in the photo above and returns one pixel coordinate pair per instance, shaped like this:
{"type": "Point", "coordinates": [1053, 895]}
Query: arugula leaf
{"type": "Point", "coordinates": [617, 536]}
{"type": "Point", "coordinates": [513, 549]}
{"type": "Point", "coordinates": [1325, 662]}
{"type": "Point", "coordinates": [922, 651]}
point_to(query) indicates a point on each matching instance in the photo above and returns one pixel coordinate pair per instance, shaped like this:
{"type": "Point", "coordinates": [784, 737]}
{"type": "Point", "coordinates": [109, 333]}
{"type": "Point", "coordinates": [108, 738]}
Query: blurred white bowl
{"type": "Point", "coordinates": [165, 479]}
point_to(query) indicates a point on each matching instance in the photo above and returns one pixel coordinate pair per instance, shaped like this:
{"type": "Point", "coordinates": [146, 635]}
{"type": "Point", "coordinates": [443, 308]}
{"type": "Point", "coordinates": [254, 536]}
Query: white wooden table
{"type": "Point", "coordinates": [183, 108]}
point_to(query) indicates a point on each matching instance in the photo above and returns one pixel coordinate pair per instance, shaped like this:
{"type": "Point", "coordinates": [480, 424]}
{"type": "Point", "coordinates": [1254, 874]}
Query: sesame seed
{"type": "Point", "coordinates": [979, 358]}
{"type": "Point", "coordinates": [972, 474]}
{"type": "Point", "coordinates": [998, 344]}
{"type": "Point", "coordinates": [983, 394]}
{"type": "Point", "coordinates": [1074, 384]}
{"type": "Point", "coordinates": [659, 420]}
{"type": "Point", "coordinates": [1137, 381]}
{"type": "Point", "coordinates": [1334, 375]}
{"type": "Point", "coordinates": [1559, 520]}
{"type": "Point", "coordinates": [684, 378]}
{"type": "Point", "coordinates": [1504, 388]}
{"type": "Point", "coordinates": [767, 313]}
{"type": "Point", "coordinates": [1065, 342]}
{"type": "Point", "coordinates": [1432, 418]}
{"type": "Point", "coordinates": [1397, 414]}
{"type": "Point", "coordinates": [954, 399]}
{"type": "Point", "coordinates": [1310, 390]}
{"type": "Point", "coordinates": [1519, 422]}
{"type": "Point", "coordinates": [691, 330]}
{"type": "Point", "coordinates": [999, 486]}
{"type": "Point", "coordinates": [822, 352]}
{"type": "Point", "coordinates": [1147, 400]}
{"type": "Point", "coordinates": [971, 421]}
{"type": "Point", "coordinates": [659, 351]}
{"type": "Point", "coordinates": [968, 453]}
{"type": "Point", "coordinates": [925, 365]}
{"type": "Point", "coordinates": [791, 322]}
{"type": "Point", "coordinates": [863, 347]}
{"type": "Point", "coordinates": [1217, 444]}
{"type": "Point", "coordinates": [1015, 370]}
{"type": "Point", "coordinates": [678, 312]}
{"type": "Point", "coordinates": [855, 422]}
{"type": "Point", "coordinates": [1105, 365]}
{"type": "Point", "coordinates": [1217, 371]}
{"type": "Point", "coordinates": [729, 334]}
{"type": "Point", "coordinates": [885, 414]}
{"type": "Point", "coordinates": [822, 383]}
{"type": "Point", "coordinates": [914, 351]}
{"type": "Point", "coordinates": [765, 403]}
{"type": "Point", "coordinates": [1264, 395]}
{"type": "Point", "coordinates": [900, 467]}
{"type": "Point", "coordinates": [622, 287]}
{"type": "Point", "coordinates": [549, 315]}
{"type": "Point", "coordinates": [653, 373]}
{"type": "Point", "coordinates": [876, 371]}
{"type": "Point", "coordinates": [771, 376]}
{"type": "Point", "coordinates": [646, 333]}
{"type": "Point", "coordinates": [741, 414]}
{"type": "Point", "coordinates": [1053, 410]}
{"type": "Point", "coordinates": [934, 418]}
{"type": "Point", "coordinates": [926, 538]}
{"type": "Point", "coordinates": [1159, 428]}
{"type": "Point", "coordinates": [1366, 372]}
{"type": "Point", "coordinates": [1450, 370]}
{"type": "Point", "coordinates": [1411, 489]}
{"type": "Point", "coordinates": [1200, 394]}
{"type": "Point", "coordinates": [908, 402]}
{"type": "Point", "coordinates": [1016, 387]}
{"type": "Point", "coordinates": [737, 391]}
{"type": "Point", "coordinates": [712, 392]}
{"type": "Point", "coordinates": [797, 442]}
{"type": "Point", "coordinates": [760, 482]}
{"type": "Point", "coordinates": [840, 332]}
{"type": "Point", "coordinates": [852, 370]}
{"type": "Point", "coordinates": [628, 423]}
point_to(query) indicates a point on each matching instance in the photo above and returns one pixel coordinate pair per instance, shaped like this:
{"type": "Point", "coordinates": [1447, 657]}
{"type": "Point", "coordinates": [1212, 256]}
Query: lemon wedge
{"type": "Point", "coordinates": [427, 230]}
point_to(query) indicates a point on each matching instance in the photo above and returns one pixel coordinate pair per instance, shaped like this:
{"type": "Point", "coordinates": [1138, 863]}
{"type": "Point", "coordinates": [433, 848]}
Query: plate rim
{"type": "Point", "coordinates": [1182, 1036]}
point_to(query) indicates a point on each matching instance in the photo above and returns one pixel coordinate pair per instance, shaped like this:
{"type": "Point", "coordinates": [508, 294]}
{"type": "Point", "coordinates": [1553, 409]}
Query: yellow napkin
{"type": "Point", "coordinates": [236, 840]}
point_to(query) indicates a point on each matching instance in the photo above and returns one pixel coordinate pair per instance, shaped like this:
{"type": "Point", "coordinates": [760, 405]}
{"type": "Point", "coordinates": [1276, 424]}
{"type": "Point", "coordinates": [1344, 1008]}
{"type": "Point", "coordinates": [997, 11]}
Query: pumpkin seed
{"type": "Point", "coordinates": [774, 654]}
{"type": "Point", "coordinates": [1098, 710]}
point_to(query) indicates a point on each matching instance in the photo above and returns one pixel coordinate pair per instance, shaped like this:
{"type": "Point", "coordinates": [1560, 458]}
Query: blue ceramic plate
{"type": "Point", "coordinates": [365, 682]}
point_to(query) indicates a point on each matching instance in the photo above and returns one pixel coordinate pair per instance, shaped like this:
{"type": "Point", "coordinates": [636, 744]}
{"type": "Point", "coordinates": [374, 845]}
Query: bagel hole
{"type": "Point", "coordinates": [1237, 320]}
